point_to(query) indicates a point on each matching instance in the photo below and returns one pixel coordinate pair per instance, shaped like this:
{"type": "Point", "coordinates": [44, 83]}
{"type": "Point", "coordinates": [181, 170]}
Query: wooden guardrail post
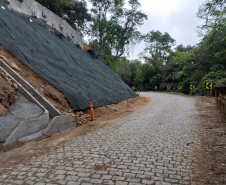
{"type": "Point", "coordinates": [220, 91]}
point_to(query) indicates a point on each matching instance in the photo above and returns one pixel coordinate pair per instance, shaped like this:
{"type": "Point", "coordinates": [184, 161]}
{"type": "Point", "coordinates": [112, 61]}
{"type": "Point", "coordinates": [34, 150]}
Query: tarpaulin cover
{"type": "Point", "coordinates": [81, 76]}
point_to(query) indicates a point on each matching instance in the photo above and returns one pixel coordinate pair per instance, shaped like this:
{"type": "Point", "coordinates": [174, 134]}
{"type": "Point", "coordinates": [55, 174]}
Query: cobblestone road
{"type": "Point", "coordinates": [150, 146]}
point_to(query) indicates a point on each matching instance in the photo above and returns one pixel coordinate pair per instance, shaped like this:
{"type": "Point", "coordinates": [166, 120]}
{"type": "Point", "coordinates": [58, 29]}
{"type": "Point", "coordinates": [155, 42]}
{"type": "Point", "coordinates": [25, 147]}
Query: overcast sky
{"type": "Point", "coordinates": [177, 17]}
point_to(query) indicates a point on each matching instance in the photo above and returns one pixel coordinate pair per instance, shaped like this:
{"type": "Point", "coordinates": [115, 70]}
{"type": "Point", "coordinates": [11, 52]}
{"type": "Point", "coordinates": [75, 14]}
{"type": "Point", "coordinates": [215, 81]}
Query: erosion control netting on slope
{"type": "Point", "coordinates": [78, 74]}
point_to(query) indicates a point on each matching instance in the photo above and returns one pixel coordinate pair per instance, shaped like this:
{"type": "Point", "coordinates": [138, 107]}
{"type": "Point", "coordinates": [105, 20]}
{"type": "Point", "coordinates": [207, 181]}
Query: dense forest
{"type": "Point", "coordinates": [113, 29]}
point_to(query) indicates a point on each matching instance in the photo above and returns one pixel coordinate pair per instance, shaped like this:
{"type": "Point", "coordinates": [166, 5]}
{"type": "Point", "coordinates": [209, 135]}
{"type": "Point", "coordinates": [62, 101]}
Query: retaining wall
{"type": "Point", "coordinates": [33, 8]}
{"type": "Point", "coordinates": [43, 123]}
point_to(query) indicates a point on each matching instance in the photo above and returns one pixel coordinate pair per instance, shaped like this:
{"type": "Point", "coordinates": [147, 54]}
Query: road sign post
{"type": "Point", "coordinates": [192, 87]}
{"type": "Point", "coordinates": [209, 85]}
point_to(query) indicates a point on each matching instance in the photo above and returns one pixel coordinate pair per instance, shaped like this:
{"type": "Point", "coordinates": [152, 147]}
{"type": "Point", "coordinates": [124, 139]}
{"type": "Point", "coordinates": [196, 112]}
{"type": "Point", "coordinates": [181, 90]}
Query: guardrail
{"type": "Point", "coordinates": [221, 103]}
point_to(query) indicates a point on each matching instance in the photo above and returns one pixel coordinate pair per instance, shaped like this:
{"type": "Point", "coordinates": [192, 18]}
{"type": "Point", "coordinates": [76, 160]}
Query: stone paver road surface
{"type": "Point", "coordinates": [150, 146]}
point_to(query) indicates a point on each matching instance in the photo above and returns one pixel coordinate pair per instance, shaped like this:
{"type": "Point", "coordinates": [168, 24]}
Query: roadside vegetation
{"type": "Point", "coordinates": [112, 29]}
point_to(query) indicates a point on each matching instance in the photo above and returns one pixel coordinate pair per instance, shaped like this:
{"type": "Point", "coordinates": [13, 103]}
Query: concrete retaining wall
{"type": "Point", "coordinates": [59, 123]}
{"type": "Point", "coordinates": [33, 8]}
{"type": "Point", "coordinates": [25, 128]}
{"type": "Point", "coordinates": [28, 127]}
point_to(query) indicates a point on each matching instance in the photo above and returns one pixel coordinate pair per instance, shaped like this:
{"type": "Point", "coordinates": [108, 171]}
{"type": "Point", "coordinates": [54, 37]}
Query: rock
{"type": "Point", "coordinates": [83, 120]}
{"type": "Point", "coordinates": [9, 81]}
{"type": "Point", "coordinates": [15, 86]}
{"type": "Point", "coordinates": [85, 116]}
{"type": "Point", "coordinates": [41, 89]}
{"type": "Point", "coordinates": [15, 67]}
{"type": "Point", "coordinates": [3, 110]}
{"type": "Point", "coordinates": [15, 98]}
{"type": "Point", "coordinates": [80, 113]}
{"type": "Point", "coordinates": [7, 75]}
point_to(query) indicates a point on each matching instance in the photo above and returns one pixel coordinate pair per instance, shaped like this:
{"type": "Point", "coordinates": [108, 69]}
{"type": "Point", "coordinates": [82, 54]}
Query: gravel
{"type": "Point", "coordinates": [20, 111]}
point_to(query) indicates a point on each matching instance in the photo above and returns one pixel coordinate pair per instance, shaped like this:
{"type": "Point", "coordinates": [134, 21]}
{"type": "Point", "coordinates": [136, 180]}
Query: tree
{"type": "Point", "coordinates": [114, 27]}
{"type": "Point", "coordinates": [156, 55]}
{"type": "Point", "coordinates": [211, 11]}
{"type": "Point", "coordinates": [158, 46]}
{"type": "Point", "coordinates": [134, 67]}
{"type": "Point", "coordinates": [127, 28]}
{"type": "Point", "coordinates": [123, 70]}
{"type": "Point", "coordinates": [101, 9]}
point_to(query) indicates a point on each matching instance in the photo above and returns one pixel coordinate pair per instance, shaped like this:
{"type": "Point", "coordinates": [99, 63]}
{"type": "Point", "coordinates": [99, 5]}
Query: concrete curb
{"type": "Point", "coordinates": [43, 101]}
{"type": "Point", "coordinates": [28, 127]}
{"type": "Point", "coordinates": [23, 91]}
{"type": "Point", "coordinates": [59, 123]}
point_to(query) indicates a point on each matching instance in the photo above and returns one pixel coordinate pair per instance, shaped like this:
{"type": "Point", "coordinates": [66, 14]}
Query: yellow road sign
{"type": "Point", "coordinates": [168, 87]}
{"type": "Point", "coordinates": [192, 87]}
{"type": "Point", "coordinates": [179, 87]}
{"type": "Point", "coordinates": [156, 87]}
{"type": "Point", "coordinates": [209, 85]}
{"type": "Point", "coordinates": [133, 87]}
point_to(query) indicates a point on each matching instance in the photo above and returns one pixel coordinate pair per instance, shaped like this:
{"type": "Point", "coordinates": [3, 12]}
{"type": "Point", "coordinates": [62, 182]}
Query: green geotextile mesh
{"type": "Point", "coordinates": [81, 76]}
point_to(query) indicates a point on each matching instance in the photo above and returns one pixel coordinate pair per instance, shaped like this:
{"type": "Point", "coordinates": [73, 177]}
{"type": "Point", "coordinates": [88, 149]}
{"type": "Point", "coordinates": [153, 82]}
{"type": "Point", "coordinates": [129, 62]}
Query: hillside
{"type": "Point", "coordinates": [81, 76]}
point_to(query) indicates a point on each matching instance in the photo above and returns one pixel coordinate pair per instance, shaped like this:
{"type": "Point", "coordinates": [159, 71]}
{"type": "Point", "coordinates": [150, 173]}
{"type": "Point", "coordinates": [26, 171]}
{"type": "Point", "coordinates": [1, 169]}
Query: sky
{"type": "Point", "coordinates": [176, 17]}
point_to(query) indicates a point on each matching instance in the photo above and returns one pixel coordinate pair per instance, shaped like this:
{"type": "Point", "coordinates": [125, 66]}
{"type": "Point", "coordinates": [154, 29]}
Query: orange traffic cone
{"type": "Point", "coordinates": [128, 105]}
{"type": "Point", "coordinates": [91, 111]}
{"type": "Point", "coordinates": [211, 93]}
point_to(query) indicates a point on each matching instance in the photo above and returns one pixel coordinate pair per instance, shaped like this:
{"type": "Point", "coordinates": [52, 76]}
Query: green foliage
{"type": "Point", "coordinates": [115, 27]}
{"type": "Point", "coordinates": [123, 70]}
{"type": "Point", "coordinates": [182, 57]}
{"type": "Point", "coordinates": [212, 12]}
{"type": "Point", "coordinates": [129, 71]}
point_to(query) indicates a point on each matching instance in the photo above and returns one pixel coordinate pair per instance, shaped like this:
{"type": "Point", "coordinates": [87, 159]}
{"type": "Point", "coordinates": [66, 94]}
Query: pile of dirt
{"type": "Point", "coordinates": [8, 92]}
{"type": "Point", "coordinates": [86, 47]}
{"type": "Point", "coordinates": [212, 156]}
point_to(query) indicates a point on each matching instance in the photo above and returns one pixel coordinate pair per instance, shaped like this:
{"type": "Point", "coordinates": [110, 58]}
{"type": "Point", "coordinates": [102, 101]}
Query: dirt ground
{"type": "Point", "coordinates": [8, 93]}
{"type": "Point", "coordinates": [33, 148]}
{"type": "Point", "coordinates": [211, 157]}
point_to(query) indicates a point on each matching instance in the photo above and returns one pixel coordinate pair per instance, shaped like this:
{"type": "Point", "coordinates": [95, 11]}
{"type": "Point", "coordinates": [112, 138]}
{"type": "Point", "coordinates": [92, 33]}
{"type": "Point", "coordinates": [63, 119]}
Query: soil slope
{"type": "Point", "coordinates": [8, 93]}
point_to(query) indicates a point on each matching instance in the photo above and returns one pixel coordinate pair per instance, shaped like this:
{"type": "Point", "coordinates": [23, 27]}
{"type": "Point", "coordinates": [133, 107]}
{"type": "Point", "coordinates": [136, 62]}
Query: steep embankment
{"type": "Point", "coordinates": [79, 75]}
